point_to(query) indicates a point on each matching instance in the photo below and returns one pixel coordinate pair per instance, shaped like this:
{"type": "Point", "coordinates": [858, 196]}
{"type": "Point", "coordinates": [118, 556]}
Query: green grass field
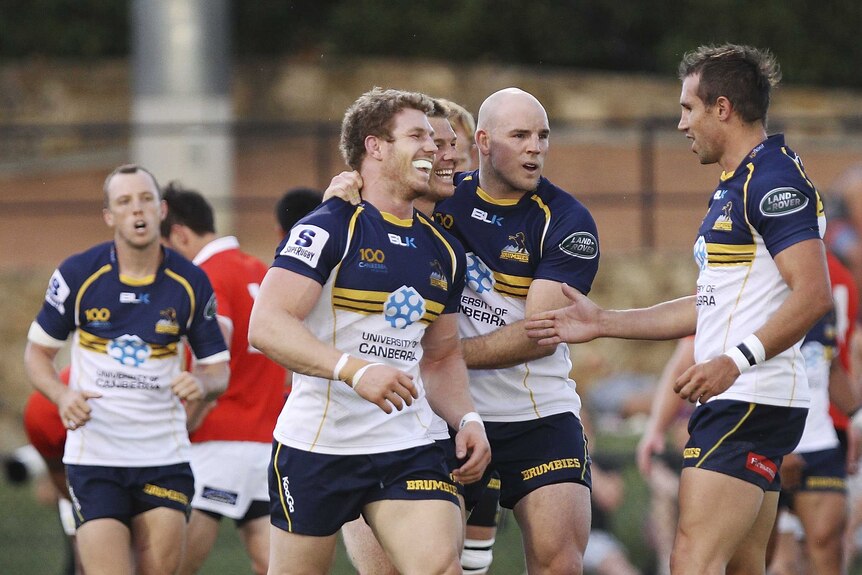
{"type": "Point", "coordinates": [32, 542]}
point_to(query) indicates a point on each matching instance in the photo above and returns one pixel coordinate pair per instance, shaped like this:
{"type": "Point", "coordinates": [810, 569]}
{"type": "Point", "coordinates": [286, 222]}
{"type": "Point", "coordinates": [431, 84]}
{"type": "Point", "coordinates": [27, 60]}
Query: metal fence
{"type": "Point", "coordinates": [637, 175]}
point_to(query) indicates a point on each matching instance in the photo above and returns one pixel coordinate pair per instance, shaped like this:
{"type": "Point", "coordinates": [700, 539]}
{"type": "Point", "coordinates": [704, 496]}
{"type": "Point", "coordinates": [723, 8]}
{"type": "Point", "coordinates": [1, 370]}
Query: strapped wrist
{"type": "Point", "coordinates": [357, 377]}
{"type": "Point", "coordinates": [468, 417]}
{"type": "Point", "coordinates": [747, 354]}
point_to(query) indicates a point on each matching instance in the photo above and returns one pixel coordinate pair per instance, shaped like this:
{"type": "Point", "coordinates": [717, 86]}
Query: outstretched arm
{"type": "Point", "coordinates": [510, 345]}
{"type": "Point", "coordinates": [582, 320]}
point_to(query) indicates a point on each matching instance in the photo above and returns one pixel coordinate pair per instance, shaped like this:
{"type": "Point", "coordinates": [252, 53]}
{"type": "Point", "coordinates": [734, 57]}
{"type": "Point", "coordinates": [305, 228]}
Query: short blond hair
{"type": "Point", "coordinates": [126, 169]}
{"type": "Point", "coordinates": [459, 117]}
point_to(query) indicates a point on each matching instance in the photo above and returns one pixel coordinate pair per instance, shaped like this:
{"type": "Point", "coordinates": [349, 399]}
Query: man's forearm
{"type": "Point", "coordinates": [213, 377]}
{"type": "Point", "coordinates": [503, 347]}
{"type": "Point", "coordinates": [447, 389]}
{"type": "Point", "coordinates": [667, 320]}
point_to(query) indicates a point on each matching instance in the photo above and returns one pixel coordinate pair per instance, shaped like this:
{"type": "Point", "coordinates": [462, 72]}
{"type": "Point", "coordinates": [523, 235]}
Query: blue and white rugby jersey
{"type": "Point", "coordinates": [764, 206]}
{"type": "Point", "coordinates": [384, 281]}
{"type": "Point", "coordinates": [126, 346]}
{"type": "Point", "coordinates": [546, 234]}
{"type": "Point", "coordinates": [818, 349]}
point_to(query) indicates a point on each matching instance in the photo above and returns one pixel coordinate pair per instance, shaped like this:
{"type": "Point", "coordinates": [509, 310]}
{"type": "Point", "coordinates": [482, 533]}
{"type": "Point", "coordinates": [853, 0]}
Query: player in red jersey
{"type": "Point", "coordinates": [237, 429]}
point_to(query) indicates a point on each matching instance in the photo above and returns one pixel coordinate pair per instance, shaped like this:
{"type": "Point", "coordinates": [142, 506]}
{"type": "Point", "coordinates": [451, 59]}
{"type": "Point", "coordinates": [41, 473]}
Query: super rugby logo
{"type": "Point", "coordinates": [305, 243]}
{"type": "Point", "coordinates": [57, 292]}
{"type": "Point", "coordinates": [783, 201]}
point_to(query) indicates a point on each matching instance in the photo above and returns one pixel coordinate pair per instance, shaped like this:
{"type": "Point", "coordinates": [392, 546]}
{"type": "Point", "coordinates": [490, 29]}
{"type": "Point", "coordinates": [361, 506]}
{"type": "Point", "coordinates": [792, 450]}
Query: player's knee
{"type": "Point", "coordinates": [477, 556]}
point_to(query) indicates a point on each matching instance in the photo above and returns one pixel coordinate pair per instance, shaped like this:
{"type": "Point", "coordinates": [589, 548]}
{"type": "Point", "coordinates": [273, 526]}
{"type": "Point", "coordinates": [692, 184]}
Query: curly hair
{"type": "Point", "coordinates": [371, 115]}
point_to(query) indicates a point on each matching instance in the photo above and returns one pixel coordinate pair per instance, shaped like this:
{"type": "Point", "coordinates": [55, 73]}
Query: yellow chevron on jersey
{"type": "Point", "coordinates": [772, 206]}
{"type": "Point", "coordinates": [545, 234]}
{"type": "Point", "coordinates": [371, 302]}
{"type": "Point", "coordinates": [729, 254]}
{"type": "Point", "coordinates": [87, 283]}
{"type": "Point", "coordinates": [98, 344]}
{"type": "Point", "coordinates": [508, 284]}
{"type": "Point", "coordinates": [383, 280]}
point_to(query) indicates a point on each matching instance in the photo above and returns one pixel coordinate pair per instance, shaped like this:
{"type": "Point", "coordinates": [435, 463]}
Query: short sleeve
{"type": "Point", "coordinates": [316, 243]}
{"type": "Point", "coordinates": [783, 208]}
{"type": "Point", "coordinates": [204, 335]}
{"type": "Point", "coordinates": [570, 252]}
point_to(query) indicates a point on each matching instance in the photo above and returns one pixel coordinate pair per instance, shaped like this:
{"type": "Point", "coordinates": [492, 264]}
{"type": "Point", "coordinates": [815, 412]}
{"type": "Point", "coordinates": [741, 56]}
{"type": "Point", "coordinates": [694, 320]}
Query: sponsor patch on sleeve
{"type": "Point", "coordinates": [211, 308]}
{"type": "Point", "coordinates": [306, 243]}
{"type": "Point", "coordinates": [782, 201]}
{"type": "Point", "coordinates": [57, 292]}
{"type": "Point", "coordinates": [581, 245]}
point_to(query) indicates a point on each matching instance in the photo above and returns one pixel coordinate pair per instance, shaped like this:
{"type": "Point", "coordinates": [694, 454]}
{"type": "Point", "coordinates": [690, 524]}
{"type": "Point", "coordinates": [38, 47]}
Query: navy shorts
{"type": "Point", "coordinates": [744, 440]}
{"type": "Point", "coordinates": [530, 454]}
{"type": "Point", "coordinates": [824, 470]}
{"type": "Point", "coordinates": [315, 493]}
{"type": "Point", "coordinates": [486, 511]}
{"type": "Point", "coordinates": [100, 492]}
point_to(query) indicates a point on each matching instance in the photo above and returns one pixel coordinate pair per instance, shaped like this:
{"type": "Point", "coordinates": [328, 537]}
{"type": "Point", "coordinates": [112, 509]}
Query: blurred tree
{"type": "Point", "coordinates": [816, 42]}
{"type": "Point", "coordinates": [72, 28]}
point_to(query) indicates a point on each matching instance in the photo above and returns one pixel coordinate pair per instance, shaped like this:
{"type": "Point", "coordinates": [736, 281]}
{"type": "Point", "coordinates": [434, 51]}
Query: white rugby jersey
{"type": "Point", "coordinates": [818, 349]}
{"type": "Point", "coordinates": [125, 346]}
{"type": "Point", "coordinates": [764, 206]}
{"type": "Point", "coordinates": [546, 234]}
{"type": "Point", "coordinates": [384, 281]}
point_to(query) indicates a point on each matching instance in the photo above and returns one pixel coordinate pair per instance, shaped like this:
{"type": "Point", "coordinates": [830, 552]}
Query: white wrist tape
{"type": "Point", "coordinates": [747, 354]}
{"type": "Point", "coordinates": [342, 361]}
{"type": "Point", "coordinates": [856, 420]}
{"type": "Point", "coordinates": [357, 377]}
{"type": "Point", "coordinates": [468, 417]}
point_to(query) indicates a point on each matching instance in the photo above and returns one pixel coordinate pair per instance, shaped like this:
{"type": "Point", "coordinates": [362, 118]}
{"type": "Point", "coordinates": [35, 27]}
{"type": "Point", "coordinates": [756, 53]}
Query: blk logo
{"type": "Point", "coordinates": [484, 216]}
{"type": "Point", "coordinates": [406, 241]}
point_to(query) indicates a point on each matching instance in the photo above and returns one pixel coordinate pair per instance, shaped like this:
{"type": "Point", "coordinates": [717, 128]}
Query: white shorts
{"type": "Point", "coordinates": [600, 545]}
{"type": "Point", "coordinates": [229, 475]}
{"type": "Point", "coordinates": [790, 523]}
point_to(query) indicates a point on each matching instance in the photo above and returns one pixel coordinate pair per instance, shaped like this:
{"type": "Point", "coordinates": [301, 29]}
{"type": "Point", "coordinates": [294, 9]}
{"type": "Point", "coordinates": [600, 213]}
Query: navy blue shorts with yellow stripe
{"type": "Point", "coordinates": [481, 498]}
{"type": "Point", "coordinates": [531, 454]}
{"type": "Point", "coordinates": [825, 470]}
{"type": "Point", "coordinates": [316, 493]}
{"type": "Point", "coordinates": [100, 492]}
{"type": "Point", "coordinates": [744, 440]}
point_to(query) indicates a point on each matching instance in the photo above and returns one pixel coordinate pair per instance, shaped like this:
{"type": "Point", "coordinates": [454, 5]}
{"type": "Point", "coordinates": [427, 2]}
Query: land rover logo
{"type": "Point", "coordinates": [781, 201]}
{"type": "Point", "coordinates": [581, 245]}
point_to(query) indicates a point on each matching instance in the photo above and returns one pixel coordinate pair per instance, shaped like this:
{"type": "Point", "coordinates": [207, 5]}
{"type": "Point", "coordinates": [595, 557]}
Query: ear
{"type": "Point", "coordinates": [723, 108]}
{"type": "Point", "coordinates": [483, 142]}
{"type": "Point", "coordinates": [163, 210]}
{"type": "Point", "coordinates": [373, 145]}
{"type": "Point", "coordinates": [179, 235]}
{"type": "Point", "coordinates": [108, 217]}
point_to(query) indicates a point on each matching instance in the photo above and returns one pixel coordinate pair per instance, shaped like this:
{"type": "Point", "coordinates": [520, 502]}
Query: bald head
{"type": "Point", "coordinates": [505, 102]}
{"type": "Point", "coordinates": [512, 139]}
